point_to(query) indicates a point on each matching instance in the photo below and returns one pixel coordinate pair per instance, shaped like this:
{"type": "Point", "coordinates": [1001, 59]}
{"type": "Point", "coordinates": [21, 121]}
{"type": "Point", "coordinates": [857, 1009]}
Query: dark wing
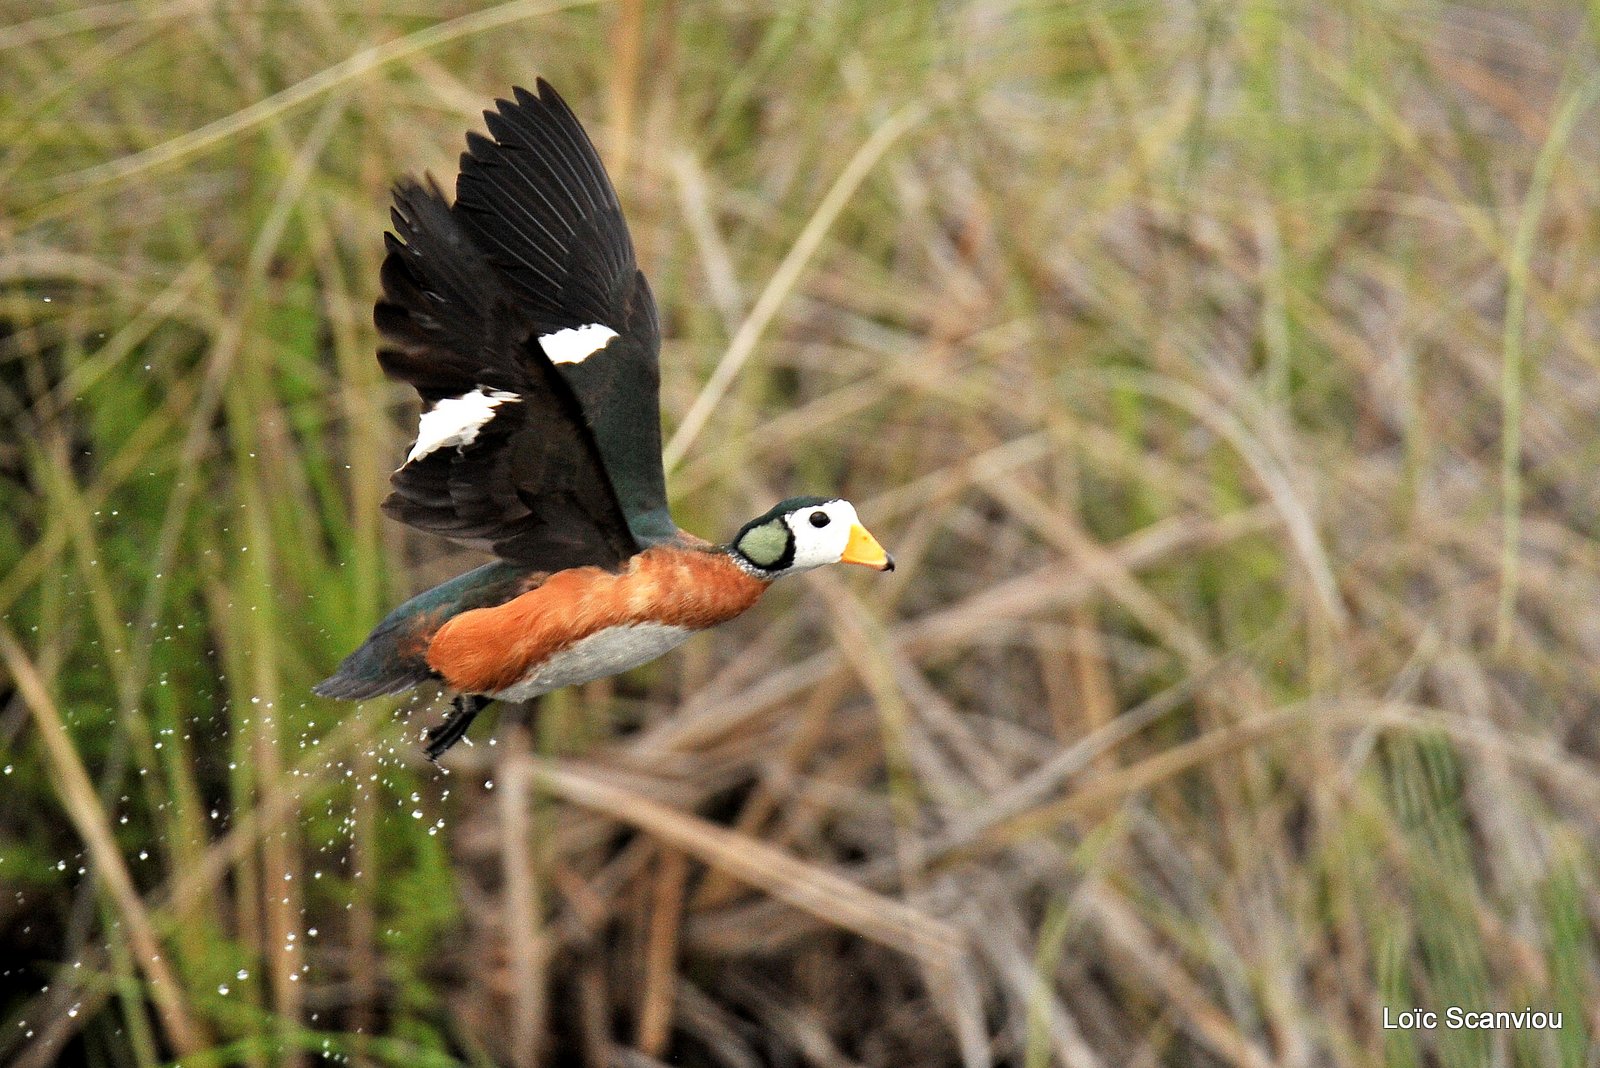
{"type": "Point", "coordinates": [536, 199]}
{"type": "Point", "coordinates": [504, 460]}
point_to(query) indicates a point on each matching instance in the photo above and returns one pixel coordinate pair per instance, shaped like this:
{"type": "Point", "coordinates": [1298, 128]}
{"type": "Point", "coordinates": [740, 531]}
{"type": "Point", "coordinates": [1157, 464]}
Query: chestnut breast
{"type": "Point", "coordinates": [587, 623]}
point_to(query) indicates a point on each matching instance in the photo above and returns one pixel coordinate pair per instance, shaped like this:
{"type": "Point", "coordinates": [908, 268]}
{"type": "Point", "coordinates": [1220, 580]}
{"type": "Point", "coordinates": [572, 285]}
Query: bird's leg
{"type": "Point", "coordinates": [464, 709]}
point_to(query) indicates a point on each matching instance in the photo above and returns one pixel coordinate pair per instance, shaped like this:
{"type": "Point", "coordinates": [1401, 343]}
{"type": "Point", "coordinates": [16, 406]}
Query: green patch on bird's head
{"type": "Point", "coordinates": [765, 545]}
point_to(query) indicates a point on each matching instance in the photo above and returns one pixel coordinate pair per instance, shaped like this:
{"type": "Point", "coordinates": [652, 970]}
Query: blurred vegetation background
{"type": "Point", "coordinates": [1222, 376]}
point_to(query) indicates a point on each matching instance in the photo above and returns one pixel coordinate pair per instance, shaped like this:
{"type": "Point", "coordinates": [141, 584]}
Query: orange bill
{"type": "Point", "coordinates": [863, 548]}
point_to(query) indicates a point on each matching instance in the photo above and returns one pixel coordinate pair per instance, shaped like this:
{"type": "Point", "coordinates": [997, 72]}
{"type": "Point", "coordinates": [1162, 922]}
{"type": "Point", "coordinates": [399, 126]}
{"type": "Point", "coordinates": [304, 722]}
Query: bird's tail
{"type": "Point", "coordinates": [373, 671]}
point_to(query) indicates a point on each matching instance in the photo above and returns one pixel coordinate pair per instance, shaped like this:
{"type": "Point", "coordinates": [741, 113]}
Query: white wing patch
{"type": "Point", "coordinates": [575, 346]}
{"type": "Point", "coordinates": [457, 420]}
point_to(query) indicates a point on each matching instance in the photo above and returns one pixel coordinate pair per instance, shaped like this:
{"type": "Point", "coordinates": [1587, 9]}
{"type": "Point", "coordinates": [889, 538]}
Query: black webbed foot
{"type": "Point", "coordinates": [464, 709]}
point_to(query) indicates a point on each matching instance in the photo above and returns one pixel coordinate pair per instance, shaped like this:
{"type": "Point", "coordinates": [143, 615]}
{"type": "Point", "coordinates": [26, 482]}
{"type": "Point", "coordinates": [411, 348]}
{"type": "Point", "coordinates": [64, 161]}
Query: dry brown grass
{"type": "Point", "coordinates": [1222, 378]}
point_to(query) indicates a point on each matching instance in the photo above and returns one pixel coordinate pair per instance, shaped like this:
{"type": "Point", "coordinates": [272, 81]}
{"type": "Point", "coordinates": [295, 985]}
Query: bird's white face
{"type": "Point", "coordinates": [830, 533]}
{"type": "Point", "coordinates": [805, 533]}
{"type": "Point", "coordinates": [821, 533]}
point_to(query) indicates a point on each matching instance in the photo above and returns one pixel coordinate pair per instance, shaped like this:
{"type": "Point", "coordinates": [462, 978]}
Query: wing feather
{"type": "Point", "coordinates": [535, 197]}
{"type": "Point", "coordinates": [527, 482]}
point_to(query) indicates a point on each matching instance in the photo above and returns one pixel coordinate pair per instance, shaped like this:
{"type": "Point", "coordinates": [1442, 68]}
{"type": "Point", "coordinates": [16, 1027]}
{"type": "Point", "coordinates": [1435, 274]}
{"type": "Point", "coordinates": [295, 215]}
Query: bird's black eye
{"type": "Point", "coordinates": [819, 519]}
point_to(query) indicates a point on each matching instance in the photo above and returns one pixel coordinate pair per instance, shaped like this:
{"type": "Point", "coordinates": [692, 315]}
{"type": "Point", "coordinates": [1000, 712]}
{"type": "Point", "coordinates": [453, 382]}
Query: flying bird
{"type": "Point", "coordinates": [519, 315]}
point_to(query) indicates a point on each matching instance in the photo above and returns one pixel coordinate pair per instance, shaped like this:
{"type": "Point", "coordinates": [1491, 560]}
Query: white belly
{"type": "Point", "coordinates": [597, 656]}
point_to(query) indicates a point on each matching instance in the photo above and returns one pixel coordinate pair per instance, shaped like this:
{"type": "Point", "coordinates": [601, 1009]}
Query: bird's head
{"type": "Point", "coordinates": [803, 533]}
